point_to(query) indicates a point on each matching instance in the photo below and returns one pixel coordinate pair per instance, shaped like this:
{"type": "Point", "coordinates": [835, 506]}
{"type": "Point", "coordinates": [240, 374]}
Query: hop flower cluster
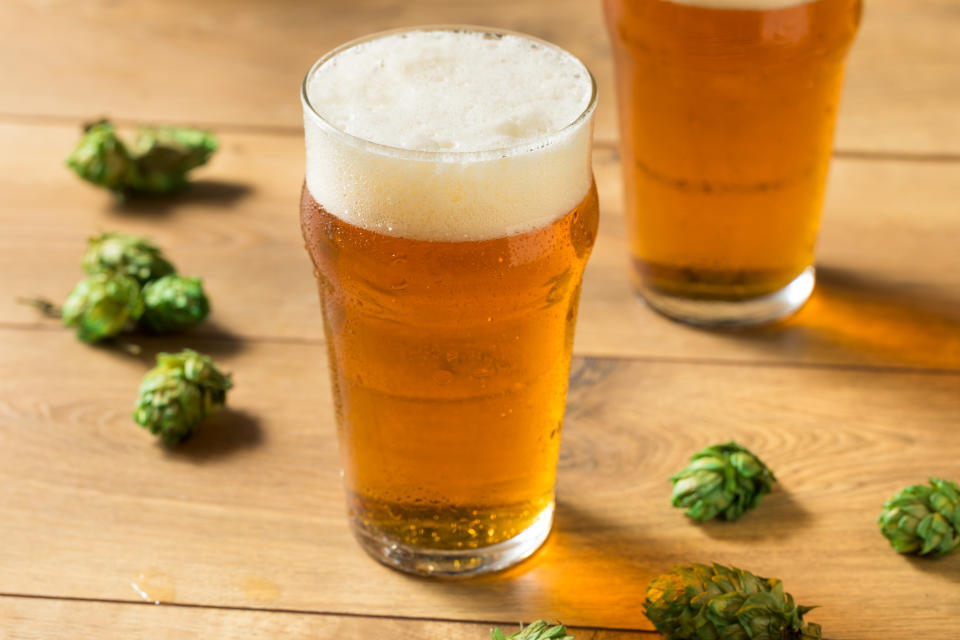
{"type": "Point", "coordinates": [697, 602]}
{"type": "Point", "coordinates": [131, 281]}
{"type": "Point", "coordinates": [723, 480]}
{"type": "Point", "coordinates": [157, 162]}
{"type": "Point", "coordinates": [179, 393]}
{"type": "Point", "coordinates": [539, 630]}
{"type": "Point", "coordinates": [923, 519]}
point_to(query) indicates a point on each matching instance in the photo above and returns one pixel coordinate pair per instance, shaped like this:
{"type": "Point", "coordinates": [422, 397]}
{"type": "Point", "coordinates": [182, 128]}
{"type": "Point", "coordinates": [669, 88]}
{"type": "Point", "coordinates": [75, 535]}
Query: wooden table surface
{"type": "Point", "coordinates": [241, 533]}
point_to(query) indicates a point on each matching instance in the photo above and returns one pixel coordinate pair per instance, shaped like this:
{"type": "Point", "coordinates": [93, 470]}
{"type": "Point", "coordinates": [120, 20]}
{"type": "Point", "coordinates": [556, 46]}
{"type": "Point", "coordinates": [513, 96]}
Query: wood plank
{"type": "Point", "coordinates": [241, 62]}
{"type": "Point", "coordinates": [250, 512]}
{"type": "Point", "coordinates": [888, 293]}
{"type": "Point", "coordinates": [42, 619]}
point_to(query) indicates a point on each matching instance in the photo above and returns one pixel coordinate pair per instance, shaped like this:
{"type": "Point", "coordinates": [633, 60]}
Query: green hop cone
{"type": "Point", "coordinates": [165, 155]}
{"type": "Point", "coordinates": [174, 303]}
{"type": "Point", "coordinates": [179, 393]}
{"type": "Point", "coordinates": [723, 480]}
{"type": "Point", "coordinates": [102, 305]}
{"type": "Point", "coordinates": [101, 158]}
{"type": "Point", "coordinates": [157, 162]}
{"type": "Point", "coordinates": [539, 630]}
{"type": "Point", "coordinates": [132, 255]}
{"type": "Point", "coordinates": [697, 602]}
{"type": "Point", "coordinates": [923, 519]}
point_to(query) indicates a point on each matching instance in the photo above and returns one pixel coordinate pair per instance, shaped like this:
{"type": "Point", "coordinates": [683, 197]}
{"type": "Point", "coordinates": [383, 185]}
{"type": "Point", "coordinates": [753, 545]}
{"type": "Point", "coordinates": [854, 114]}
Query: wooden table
{"type": "Point", "coordinates": [241, 532]}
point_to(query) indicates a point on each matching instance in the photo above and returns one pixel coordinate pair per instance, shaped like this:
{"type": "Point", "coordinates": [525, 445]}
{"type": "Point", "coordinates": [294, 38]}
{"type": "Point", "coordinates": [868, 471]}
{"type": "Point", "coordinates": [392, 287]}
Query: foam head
{"type": "Point", "coordinates": [448, 134]}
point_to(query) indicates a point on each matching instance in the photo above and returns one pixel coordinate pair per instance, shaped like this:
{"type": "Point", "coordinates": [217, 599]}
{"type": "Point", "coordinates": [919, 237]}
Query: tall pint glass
{"type": "Point", "coordinates": [727, 110]}
{"type": "Point", "coordinates": [449, 209]}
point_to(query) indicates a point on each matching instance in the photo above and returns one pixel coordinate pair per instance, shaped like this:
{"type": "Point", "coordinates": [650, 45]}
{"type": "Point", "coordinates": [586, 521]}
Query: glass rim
{"type": "Point", "coordinates": [445, 155]}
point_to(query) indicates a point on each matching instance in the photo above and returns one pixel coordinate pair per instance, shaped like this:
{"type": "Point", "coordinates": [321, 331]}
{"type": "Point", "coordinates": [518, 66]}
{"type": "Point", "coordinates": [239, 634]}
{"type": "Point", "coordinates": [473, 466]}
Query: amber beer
{"type": "Point", "coordinates": [727, 111]}
{"type": "Point", "coordinates": [449, 248]}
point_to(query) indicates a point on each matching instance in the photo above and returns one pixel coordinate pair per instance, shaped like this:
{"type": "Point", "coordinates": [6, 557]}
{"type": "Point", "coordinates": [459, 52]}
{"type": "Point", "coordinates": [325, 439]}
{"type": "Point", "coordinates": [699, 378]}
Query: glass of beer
{"type": "Point", "coordinates": [449, 209]}
{"type": "Point", "coordinates": [727, 110]}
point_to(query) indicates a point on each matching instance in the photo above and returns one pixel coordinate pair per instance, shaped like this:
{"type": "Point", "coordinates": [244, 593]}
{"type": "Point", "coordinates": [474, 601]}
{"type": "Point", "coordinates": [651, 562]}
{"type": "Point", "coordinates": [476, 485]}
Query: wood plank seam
{"type": "Point", "coordinates": [285, 130]}
{"type": "Point", "coordinates": [309, 612]}
{"type": "Point", "coordinates": [201, 336]}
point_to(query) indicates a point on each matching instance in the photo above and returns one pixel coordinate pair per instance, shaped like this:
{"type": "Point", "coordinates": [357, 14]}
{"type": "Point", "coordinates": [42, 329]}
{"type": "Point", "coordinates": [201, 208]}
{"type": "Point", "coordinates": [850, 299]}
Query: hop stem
{"type": "Point", "coordinates": [42, 305]}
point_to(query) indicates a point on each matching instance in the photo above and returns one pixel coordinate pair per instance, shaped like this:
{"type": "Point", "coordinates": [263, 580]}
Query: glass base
{"type": "Point", "coordinates": [740, 313]}
{"type": "Point", "coordinates": [454, 563]}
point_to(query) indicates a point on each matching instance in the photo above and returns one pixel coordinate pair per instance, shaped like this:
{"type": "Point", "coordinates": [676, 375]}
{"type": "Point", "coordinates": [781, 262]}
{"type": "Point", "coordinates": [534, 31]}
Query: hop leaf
{"type": "Point", "coordinates": [157, 162]}
{"type": "Point", "coordinates": [539, 630]}
{"type": "Point", "coordinates": [174, 303]}
{"type": "Point", "coordinates": [179, 393]}
{"type": "Point", "coordinates": [923, 519]}
{"type": "Point", "coordinates": [132, 255]}
{"type": "Point", "coordinates": [723, 480]}
{"type": "Point", "coordinates": [697, 602]}
{"type": "Point", "coordinates": [102, 305]}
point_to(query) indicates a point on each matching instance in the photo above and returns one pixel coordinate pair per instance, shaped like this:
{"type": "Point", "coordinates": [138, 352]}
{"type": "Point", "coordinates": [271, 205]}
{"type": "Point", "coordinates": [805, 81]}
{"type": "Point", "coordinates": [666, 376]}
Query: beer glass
{"type": "Point", "coordinates": [727, 110]}
{"type": "Point", "coordinates": [449, 209]}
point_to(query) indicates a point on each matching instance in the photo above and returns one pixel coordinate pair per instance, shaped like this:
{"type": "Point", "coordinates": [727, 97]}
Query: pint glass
{"type": "Point", "coordinates": [727, 110]}
{"type": "Point", "coordinates": [449, 209]}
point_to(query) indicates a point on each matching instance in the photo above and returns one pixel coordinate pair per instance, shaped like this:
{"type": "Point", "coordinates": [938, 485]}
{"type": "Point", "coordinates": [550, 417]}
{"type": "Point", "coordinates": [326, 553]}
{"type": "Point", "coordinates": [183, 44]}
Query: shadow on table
{"type": "Point", "coordinates": [778, 517]}
{"type": "Point", "coordinates": [213, 339]}
{"type": "Point", "coordinates": [947, 567]}
{"type": "Point", "coordinates": [226, 432]}
{"type": "Point", "coordinates": [210, 193]}
{"type": "Point", "coordinates": [870, 320]}
{"type": "Point", "coordinates": [587, 567]}
{"type": "Point", "coordinates": [209, 338]}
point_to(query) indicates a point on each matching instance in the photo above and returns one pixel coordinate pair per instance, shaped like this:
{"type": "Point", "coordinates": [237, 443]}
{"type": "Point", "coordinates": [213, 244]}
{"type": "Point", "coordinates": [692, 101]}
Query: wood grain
{"type": "Point", "coordinates": [240, 63]}
{"type": "Point", "coordinates": [250, 512]}
{"type": "Point", "coordinates": [43, 619]}
{"type": "Point", "coordinates": [242, 533]}
{"type": "Point", "coordinates": [888, 292]}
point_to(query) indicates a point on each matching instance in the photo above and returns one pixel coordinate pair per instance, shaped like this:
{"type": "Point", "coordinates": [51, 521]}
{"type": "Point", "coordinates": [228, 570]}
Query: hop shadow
{"type": "Point", "coordinates": [226, 432]}
{"type": "Point", "coordinates": [209, 193]}
{"type": "Point", "coordinates": [947, 567]}
{"type": "Point", "coordinates": [778, 516]}
{"type": "Point", "coordinates": [216, 339]}
{"type": "Point", "coordinates": [210, 338]}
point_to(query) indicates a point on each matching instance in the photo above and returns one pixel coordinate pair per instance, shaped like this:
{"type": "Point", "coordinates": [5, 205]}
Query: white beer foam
{"type": "Point", "coordinates": [448, 135]}
{"type": "Point", "coordinates": [742, 4]}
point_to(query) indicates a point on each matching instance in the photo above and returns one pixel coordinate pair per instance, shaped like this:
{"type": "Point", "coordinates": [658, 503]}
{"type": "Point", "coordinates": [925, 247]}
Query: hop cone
{"type": "Point", "coordinates": [724, 481]}
{"type": "Point", "coordinates": [132, 255]}
{"type": "Point", "coordinates": [698, 602]}
{"type": "Point", "coordinates": [101, 158]}
{"type": "Point", "coordinates": [166, 154]}
{"type": "Point", "coordinates": [158, 161]}
{"type": "Point", "coordinates": [179, 393]}
{"type": "Point", "coordinates": [539, 630]}
{"type": "Point", "coordinates": [101, 305]}
{"type": "Point", "coordinates": [923, 519]}
{"type": "Point", "coordinates": [174, 303]}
